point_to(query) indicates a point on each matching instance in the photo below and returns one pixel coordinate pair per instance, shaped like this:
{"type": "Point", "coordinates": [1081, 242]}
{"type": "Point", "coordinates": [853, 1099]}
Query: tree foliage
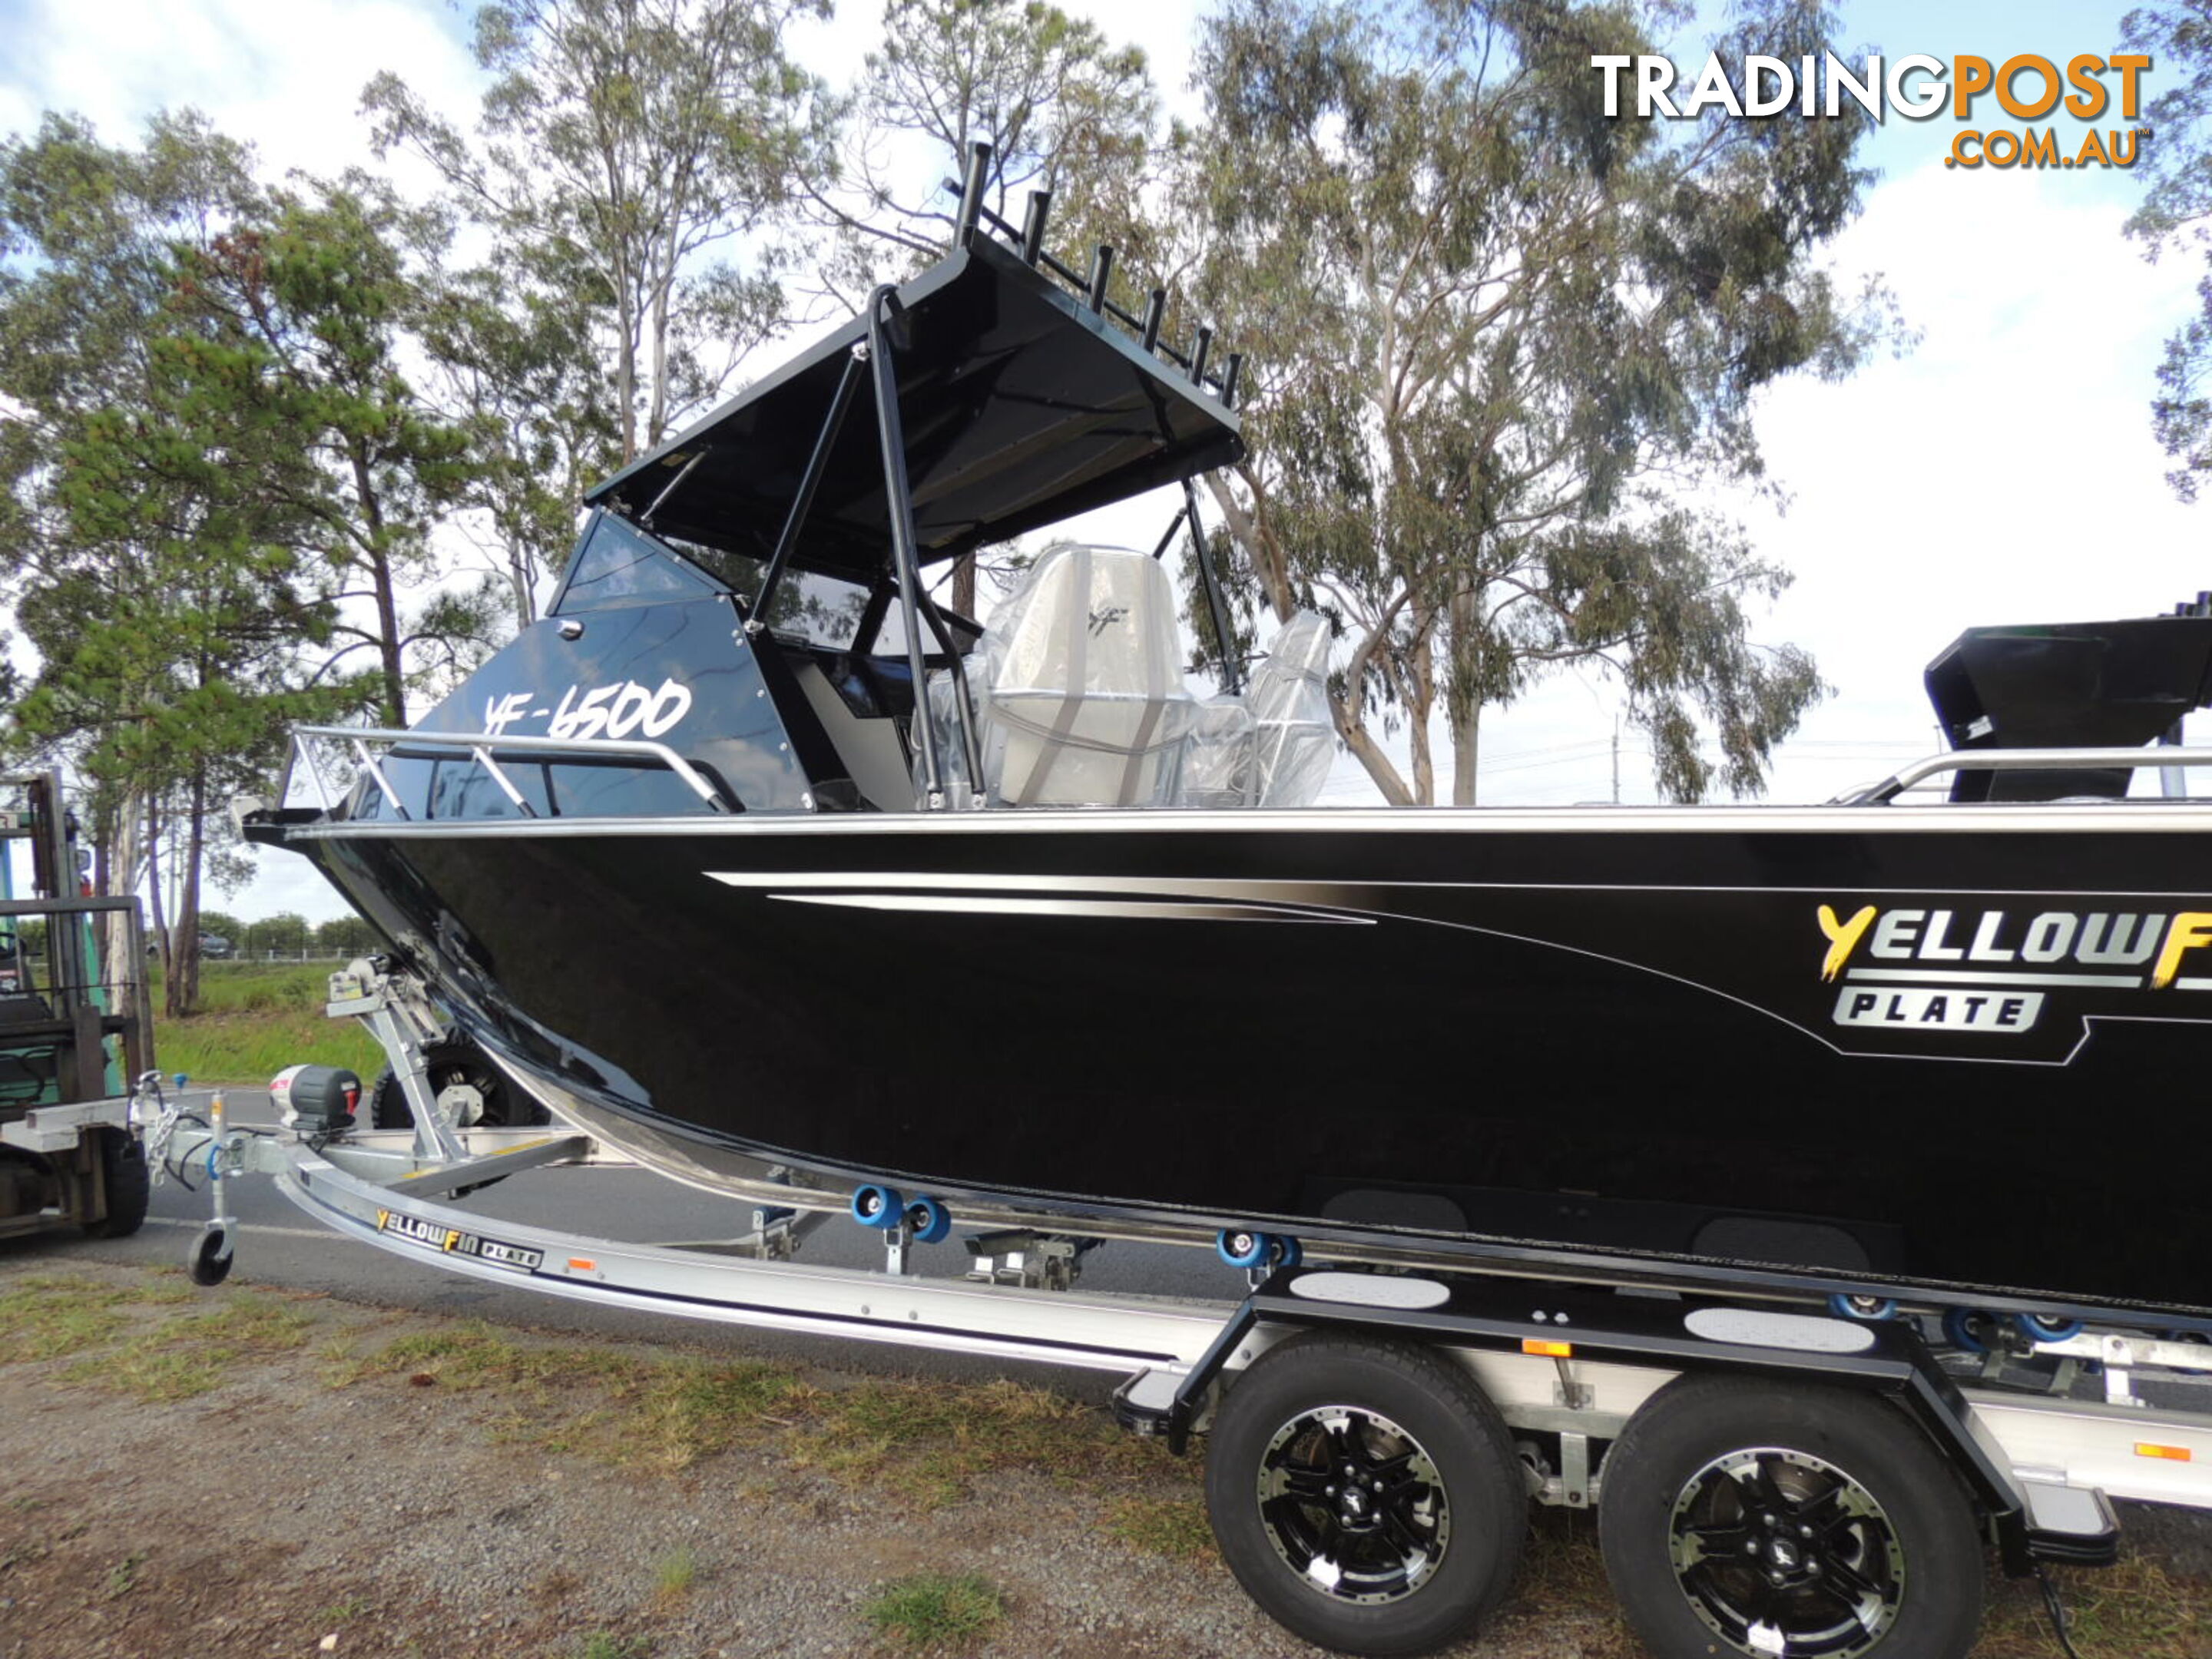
{"type": "Point", "coordinates": [1501, 341]}
{"type": "Point", "coordinates": [2176, 218]}
{"type": "Point", "coordinates": [224, 480]}
{"type": "Point", "coordinates": [1062, 108]}
{"type": "Point", "coordinates": [628, 152]}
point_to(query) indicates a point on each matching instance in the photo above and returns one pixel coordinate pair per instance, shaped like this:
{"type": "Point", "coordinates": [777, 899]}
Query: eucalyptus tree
{"type": "Point", "coordinates": [88, 238]}
{"type": "Point", "coordinates": [631, 154]}
{"type": "Point", "coordinates": [223, 485]}
{"type": "Point", "coordinates": [1063, 109]}
{"type": "Point", "coordinates": [513, 363]}
{"type": "Point", "coordinates": [290, 333]}
{"type": "Point", "coordinates": [1502, 345]}
{"type": "Point", "coordinates": [2176, 218]}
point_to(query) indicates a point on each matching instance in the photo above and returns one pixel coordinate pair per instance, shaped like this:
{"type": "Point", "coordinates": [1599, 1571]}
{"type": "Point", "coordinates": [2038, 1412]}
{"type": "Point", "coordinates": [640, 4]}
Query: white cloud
{"type": "Point", "coordinates": [287, 77]}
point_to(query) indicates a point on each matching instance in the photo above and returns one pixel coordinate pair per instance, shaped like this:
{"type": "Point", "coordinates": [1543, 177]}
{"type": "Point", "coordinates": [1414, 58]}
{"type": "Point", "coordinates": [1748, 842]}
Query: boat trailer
{"type": "Point", "coordinates": [1777, 1473]}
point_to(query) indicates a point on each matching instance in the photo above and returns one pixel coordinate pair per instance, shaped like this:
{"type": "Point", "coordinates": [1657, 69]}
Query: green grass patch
{"type": "Point", "coordinates": [659, 1413]}
{"type": "Point", "coordinates": [471, 1354]}
{"type": "Point", "coordinates": [688, 1410]}
{"type": "Point", "coordinates": [186, 1358]}
{"type": "Point", "coordinates": [931, 1438]}
{"type": "Point", "coordinates": [264, 987]}
{"type": "Point", "coordinates": [2134, 1609]}
{"type": "Point", "coordinates": [48, 1317]}
{"type": "Point", "coordinates": [675, 1573]}
{"type": "Point", "coordinates": [1174, 1526]}
{"type": "Point", "coordinates": [252, 1047]}
{"type": "Point", "coordinates": [605, 1644]}
{"type": "Point", "coordinates": [122, 1576]}
{"type": "Point", "coordinates": [936, 1610]}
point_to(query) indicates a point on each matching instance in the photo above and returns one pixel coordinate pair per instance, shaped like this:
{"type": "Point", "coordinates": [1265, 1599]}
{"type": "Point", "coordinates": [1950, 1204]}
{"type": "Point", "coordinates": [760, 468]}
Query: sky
{"type": "Point", "coordinates": [2003, 471]}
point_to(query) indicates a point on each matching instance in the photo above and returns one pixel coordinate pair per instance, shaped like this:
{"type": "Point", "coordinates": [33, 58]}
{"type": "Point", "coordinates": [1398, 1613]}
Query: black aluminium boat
{"type": "Point", "coordinates": [661, 858]}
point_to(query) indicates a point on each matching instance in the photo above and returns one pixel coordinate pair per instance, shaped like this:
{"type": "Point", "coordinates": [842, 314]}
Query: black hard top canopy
{"type": "Point", "coordinates": [1021, 403]}
{"type": "Point", "coordinates": [2056, 685]}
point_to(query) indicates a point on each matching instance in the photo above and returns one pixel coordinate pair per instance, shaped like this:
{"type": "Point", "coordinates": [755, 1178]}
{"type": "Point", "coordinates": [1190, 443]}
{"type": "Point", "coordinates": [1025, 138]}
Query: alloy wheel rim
{"type": "Point", "coordinates": [1785, 1556]}
{"type": "Point", "coordinates": [1353, 1505]}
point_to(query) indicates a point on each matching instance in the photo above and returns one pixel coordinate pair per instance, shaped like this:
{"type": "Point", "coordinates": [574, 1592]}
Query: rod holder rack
{"type": "Point", "coordinates": [1027, 238]}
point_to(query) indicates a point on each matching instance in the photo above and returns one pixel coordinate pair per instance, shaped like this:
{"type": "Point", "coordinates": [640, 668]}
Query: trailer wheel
{"type": "Point", "coordinates": [209, 1259]}
{"type": "Point", "coordinates": [1739, 1517]}
{"type": "Point", "coordinates": [1365, 1495]}
{"type": "Point", "coordinates": [460, 1065]}
{"type": "Point", "coordinates": [126, 1181]}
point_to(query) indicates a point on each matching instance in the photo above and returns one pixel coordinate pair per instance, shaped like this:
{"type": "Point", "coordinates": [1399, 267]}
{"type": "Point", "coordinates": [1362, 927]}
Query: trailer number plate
{"type": "Point", "coordinates": [452, 1241]}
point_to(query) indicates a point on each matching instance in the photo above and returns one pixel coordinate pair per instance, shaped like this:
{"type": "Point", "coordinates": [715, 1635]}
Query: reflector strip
{"type": "Point", "coordinates": [1537, 1346]}
{"type": "Point", "coordinates": [582, 1264]}
{"type": "Point", "coordinates": [2178, 1454]}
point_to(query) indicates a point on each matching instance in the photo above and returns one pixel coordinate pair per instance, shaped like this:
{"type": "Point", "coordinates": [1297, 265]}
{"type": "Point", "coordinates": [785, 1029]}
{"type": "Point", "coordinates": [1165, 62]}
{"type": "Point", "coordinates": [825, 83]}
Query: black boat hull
{"type": "Point", "coordinates": [1729, 1039]}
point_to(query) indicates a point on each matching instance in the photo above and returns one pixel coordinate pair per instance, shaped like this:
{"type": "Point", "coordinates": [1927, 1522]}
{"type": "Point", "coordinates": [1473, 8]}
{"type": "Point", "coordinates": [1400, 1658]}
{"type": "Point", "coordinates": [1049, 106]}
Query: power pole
{"type": "Point", "coordinates": [1616, 758]}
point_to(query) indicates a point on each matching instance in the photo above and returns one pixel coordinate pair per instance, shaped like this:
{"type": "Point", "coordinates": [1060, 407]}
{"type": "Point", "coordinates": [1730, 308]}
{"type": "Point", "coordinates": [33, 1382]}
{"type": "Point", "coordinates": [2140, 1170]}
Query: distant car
{"type": "Point", "coordinates": [213, 945]}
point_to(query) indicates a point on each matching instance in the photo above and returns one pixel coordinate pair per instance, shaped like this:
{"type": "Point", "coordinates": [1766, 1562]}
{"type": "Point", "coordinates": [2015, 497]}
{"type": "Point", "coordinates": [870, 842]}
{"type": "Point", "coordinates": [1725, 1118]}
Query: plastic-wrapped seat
{"type": "Point", "coordinates": [1221, 767]}
{"type": "Point", "coordinates": [1084, 704]}
{"type": "Point", "coordinates": [1290, 703]}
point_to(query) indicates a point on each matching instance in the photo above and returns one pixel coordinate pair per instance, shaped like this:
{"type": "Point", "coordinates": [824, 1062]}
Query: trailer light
{"type": "Point", "coordinates": [1544, 1349]}
{"type": "Point", "coordinates": [2177, 1454]}
{"type": "Point", "coordinates": [582, 1264]}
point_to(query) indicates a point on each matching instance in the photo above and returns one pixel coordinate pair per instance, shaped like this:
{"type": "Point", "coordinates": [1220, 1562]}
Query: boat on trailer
{"type": "Point", "coordinates": [756, 861]}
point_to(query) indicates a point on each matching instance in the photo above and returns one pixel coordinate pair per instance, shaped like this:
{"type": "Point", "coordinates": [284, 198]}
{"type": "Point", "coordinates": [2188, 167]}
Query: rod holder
{"type": "Point", "coordinates": [1156, 313]}
{"type": "Point", "coordinates": [1033, 221]}
{"type": "Point", "coordinates": [971, 193]}
{"type": "Point", "coordinates": [1229, 379]}
{"type": "Point", "coordinates": [1101, 269]}
{"type": "Point", "coordinates": [1200, 347]}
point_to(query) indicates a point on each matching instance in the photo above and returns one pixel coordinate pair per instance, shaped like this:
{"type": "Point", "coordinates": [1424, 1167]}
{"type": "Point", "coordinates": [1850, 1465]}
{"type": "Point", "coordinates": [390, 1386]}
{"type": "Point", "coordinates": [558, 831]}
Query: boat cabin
{"type": "Point", "coordinates": [748, 623]}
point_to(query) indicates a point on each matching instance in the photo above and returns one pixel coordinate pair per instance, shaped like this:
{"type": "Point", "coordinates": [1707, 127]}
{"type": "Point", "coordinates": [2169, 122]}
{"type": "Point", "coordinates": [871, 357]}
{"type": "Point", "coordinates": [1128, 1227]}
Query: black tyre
{"type": "Point", "coordinates": [1742, 1518]}
{"type": "Point", "coordinates": [1365, 1495]}
{"type": "Point", "coordinates": [456, 1065]}
{"type": "Point", "coordinates": [126, 1181]}
{"type": "Point", "coordinates": [208, 1259]}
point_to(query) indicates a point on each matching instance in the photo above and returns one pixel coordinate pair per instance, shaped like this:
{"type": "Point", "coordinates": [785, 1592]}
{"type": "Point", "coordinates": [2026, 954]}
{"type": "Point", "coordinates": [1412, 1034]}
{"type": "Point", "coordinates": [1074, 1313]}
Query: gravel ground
{"type": "Point", "coordinates": [312, 1497]}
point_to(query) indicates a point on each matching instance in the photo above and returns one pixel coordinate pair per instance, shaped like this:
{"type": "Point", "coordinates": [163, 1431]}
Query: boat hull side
{"type": "Point", "coordinates": [1716, 1047]}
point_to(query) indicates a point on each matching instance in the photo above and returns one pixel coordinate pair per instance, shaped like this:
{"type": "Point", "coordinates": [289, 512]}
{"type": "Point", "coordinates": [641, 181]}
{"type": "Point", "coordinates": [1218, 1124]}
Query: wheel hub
{"type": "Point", "coordinates": [1785, 1556]}
{"type": "Point", "coordinates": [1353, 1505]}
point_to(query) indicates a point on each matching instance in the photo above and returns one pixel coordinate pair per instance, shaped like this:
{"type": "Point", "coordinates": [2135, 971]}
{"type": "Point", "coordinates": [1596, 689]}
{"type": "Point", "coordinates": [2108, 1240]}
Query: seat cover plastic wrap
{"type": "Point", "coordinates": [1086, 705]}
{"type": "Point", "coordinates": [1221, 768]}
{"type": "Point", "coordinates": [1290, 703]}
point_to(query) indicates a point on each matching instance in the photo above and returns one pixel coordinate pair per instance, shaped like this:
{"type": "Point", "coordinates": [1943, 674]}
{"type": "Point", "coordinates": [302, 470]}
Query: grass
{"type": "Point", "coordinates": [932, 1439]}
{"type": "Point", "coordinates": [1174, 1526]}
{"type": "Point", "coordinates": [936, 1610]}
{"type": "Point", "coordinates": [2134, 1609]}
{"type": "Point", "coordinates": [676, 1573]}
{"type": "Point", "coordinates": [48, 1317]}
{"type": "Point", "coordinates": [256, 1019]}
{"type": "Point", "coordinates": [605, 1644]}
{"type": "Point", "coordinates": [927, 1439]}
{"type": "Point", "coordinates": [664, 1414]}
{"type": "Point", "coordinates": [184, 1358]}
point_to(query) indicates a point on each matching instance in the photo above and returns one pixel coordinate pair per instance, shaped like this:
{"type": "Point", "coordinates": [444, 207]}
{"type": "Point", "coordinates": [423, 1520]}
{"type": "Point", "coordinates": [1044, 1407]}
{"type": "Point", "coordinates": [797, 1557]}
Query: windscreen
{"type": "Point", "coordinates": [619, 564]}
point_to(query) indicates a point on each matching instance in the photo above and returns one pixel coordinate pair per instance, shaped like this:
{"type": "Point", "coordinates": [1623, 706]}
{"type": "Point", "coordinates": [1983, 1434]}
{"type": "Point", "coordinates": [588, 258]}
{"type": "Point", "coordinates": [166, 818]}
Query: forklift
{"type": "Point", "coordinates": [75, 1028]}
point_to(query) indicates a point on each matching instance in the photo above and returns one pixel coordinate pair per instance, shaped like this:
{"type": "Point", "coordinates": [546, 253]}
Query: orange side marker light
{"type": "Point", "coordinates": [1543, 1350]}
{"type": "Point", "coordinates": [2175, 1454]}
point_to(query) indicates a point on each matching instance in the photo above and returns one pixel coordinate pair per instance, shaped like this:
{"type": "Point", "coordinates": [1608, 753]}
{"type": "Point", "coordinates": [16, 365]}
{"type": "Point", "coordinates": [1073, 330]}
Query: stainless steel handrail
{"type": "Point", "coordinates": [480, 745]}
{"type": "Point", "coordinates": [2023, 760]}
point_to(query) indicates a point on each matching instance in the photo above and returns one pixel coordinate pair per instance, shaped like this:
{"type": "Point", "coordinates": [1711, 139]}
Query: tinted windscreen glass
{"type": "Point", "coordinates": [619, 564]}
